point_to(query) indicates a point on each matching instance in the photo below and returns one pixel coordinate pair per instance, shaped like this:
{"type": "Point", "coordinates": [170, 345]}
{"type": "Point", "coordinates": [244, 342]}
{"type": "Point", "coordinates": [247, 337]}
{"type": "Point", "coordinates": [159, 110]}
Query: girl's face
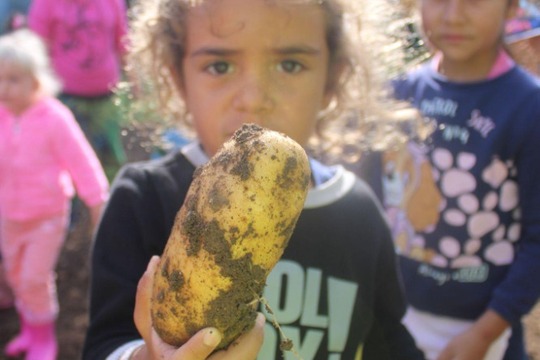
{"type": "Point", "coordinates": [252, 61]}
{"type": "Point", "coordinates": [18, 88]}
{"type": "Point", "coordinates": [468, 33]}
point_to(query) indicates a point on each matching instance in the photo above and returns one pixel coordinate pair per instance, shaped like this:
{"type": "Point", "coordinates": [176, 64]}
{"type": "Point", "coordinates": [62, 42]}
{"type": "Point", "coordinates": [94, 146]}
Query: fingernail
{"type": "Point", "coordinates": [212, 338]}
{"type": "Point", "coordinates": [153, 261]}
{"type": "Point", "coordinates": [261, 319]}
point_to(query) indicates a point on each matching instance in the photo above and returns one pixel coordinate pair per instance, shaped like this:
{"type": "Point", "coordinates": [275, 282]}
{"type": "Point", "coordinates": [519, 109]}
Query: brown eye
{"type": "Point", "coordinates": [219, 68]}
{"type": "Point", "coordinates": [290, 66]}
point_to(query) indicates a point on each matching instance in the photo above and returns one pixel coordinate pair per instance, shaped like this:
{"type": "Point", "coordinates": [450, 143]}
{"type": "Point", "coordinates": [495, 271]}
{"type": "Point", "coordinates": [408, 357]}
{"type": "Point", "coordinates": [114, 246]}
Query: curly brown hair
{"type": "Point", "coordinates": [361, 114]}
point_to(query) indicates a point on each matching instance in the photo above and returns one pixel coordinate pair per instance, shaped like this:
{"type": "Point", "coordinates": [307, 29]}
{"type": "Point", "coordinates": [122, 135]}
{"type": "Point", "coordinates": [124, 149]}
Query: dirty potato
{"type": "Point", "coordinates": [236, 220]}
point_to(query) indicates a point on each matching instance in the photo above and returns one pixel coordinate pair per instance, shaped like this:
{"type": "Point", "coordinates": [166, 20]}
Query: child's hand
{"type": "Point", "coordinates": [200, 346]}
{"type": "Point", "coordinates": [466, 346]}
{"type": "Point", "coordinates": [95, 214]}
{"type": "Point", "coordinates": [474, 343]}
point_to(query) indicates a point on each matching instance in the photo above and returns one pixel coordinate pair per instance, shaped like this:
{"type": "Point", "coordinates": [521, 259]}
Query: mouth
{"type": "Point", "coordinates": [453, 38]}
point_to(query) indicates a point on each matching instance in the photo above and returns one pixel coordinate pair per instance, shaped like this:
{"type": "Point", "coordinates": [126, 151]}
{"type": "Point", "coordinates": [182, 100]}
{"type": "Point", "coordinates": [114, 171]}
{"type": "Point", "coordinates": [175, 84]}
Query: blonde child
{"type": "Point", "coordinates": [45, 155]}
{"type": "Point", "coordinates": [291, 66]}
{"type": "Point", "coordinates": [465, 206]}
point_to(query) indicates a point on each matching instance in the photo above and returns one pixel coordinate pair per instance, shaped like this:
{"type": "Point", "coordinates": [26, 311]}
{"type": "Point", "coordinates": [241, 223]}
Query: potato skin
{"type": "Point", "coordinates": [233, 227]}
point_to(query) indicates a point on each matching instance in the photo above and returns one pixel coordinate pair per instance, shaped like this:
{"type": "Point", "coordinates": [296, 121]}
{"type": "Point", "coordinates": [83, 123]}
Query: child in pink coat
{"type": "Point", "coordinates": [46, 159]}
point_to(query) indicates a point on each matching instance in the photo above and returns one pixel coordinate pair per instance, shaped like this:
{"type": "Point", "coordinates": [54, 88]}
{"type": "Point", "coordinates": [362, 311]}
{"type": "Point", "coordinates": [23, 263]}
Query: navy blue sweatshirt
{"type": "Point", "coordinates": [336, 291]}
{"type": "Point", "coordinates": [465, 205]}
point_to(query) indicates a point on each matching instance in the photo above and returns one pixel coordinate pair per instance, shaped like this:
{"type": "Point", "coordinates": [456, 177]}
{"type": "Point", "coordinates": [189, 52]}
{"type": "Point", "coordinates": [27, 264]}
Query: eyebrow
{"type": "Point", "coordinates": [288, 50]}
{"type": "Point", "coordinates": [298, 50]}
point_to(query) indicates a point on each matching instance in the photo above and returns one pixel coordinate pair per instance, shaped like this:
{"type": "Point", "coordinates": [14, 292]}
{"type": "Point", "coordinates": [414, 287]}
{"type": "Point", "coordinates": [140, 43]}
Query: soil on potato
{"type": "Point", "coordinates": [200, 234]}
{"type": "Point", "coordinates": [72, 281]}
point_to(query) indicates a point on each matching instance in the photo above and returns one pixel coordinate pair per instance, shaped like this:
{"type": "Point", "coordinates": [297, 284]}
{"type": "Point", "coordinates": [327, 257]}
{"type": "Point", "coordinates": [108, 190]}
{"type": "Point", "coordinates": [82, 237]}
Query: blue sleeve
{"type": "Point", "coordinates": [520, 290]}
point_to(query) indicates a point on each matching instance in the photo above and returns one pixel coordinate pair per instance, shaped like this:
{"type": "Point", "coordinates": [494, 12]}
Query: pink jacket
{"type": "Point", "coordinates": [86, 39]}
{"type": "Point", "coordinates": [43, 153]}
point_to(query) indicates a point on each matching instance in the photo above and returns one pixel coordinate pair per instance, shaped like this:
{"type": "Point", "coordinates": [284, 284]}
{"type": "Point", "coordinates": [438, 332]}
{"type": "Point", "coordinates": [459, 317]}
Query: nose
{"type": "Point", "coordinates": [253, 94]}
{"type": "Point", "coordinates": [454, 10]}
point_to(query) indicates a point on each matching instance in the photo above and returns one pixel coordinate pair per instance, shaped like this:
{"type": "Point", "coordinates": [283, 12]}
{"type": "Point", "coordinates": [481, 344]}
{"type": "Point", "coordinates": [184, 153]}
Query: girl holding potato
{"type": "Point", "coordinates": [294, 66]}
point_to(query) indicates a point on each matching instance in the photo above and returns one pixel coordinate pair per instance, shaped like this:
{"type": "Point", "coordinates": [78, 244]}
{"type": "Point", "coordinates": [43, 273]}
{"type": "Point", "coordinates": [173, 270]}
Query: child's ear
{"type": "Point", "coordinates": [36, 84]}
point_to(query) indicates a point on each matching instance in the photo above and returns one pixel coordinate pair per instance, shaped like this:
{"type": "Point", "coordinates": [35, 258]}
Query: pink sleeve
{"type": "Point", "coordinates": [80, 160]}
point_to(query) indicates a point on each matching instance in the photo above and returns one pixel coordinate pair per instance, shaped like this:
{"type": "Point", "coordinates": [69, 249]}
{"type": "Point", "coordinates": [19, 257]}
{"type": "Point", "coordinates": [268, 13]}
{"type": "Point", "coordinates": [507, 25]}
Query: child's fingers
{"type": "Point", "coordinates": [200, 346]}
{"type": "Point", "coordinates": [203, 343]}
{"type": "Point", "coordinates": [141, 314]}
{"type": "Point", "coordinates": [247, 346]}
